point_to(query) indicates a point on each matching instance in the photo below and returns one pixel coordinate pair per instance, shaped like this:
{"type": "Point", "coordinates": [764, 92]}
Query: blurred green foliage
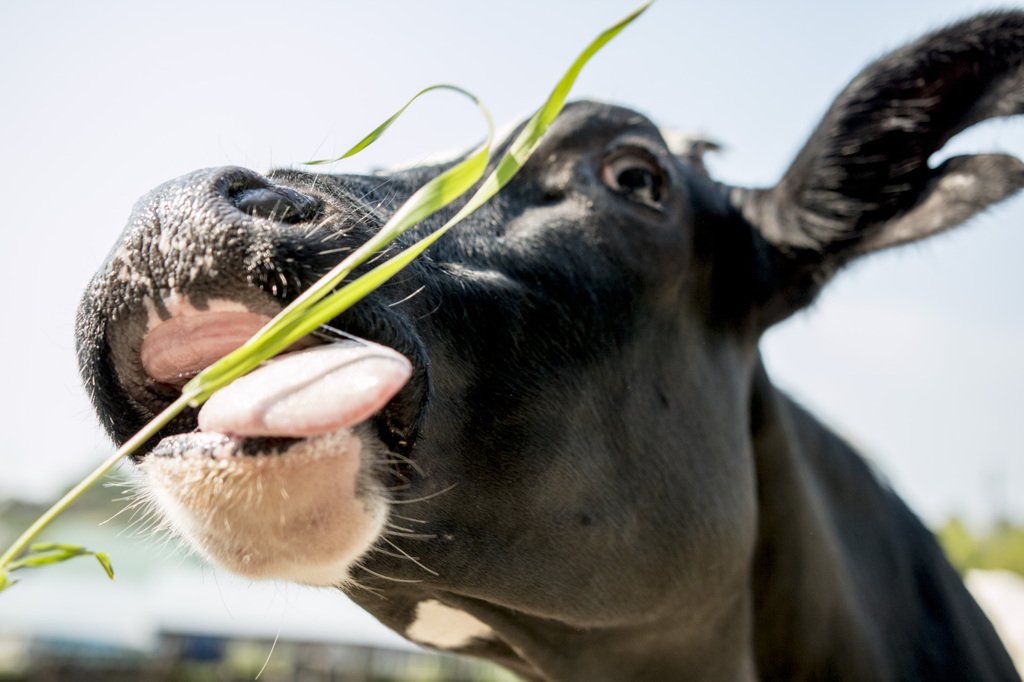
{"type": "Point", "coordinates": [1000, 547]}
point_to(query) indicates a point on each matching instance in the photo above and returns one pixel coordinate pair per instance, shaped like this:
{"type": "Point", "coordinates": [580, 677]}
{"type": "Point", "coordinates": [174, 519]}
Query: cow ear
{"type": "Point", "coordinates": [863, 183]}
{"type": "Point", "coordinates": [690, 149]}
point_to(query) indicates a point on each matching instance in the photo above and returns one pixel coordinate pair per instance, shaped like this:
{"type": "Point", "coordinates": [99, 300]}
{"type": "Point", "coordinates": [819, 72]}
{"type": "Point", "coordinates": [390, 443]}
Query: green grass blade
{"type": "Point", "coordinates": [105, 563]}
{"type": "Point", "coordinates": [52, 546]}
{"type": "Point", "coordinates": [131, 445]}
{"type": "Point", "coordinates": [379, 130]}
{"type": "Point", "coordinates": [30, 560]}
{"type": "Point", "coordinates": [430, 198]}
{"type": "Point", "coordinates": [433, 196]}
{"type": "Point", "coordinates": [296, 320]}
{"type": "Point", "coordinates": [519, 152]}
{"type": "Point", "coordinates": [52, 553]}
{"type": "Point", "coordinates": [523, 146]}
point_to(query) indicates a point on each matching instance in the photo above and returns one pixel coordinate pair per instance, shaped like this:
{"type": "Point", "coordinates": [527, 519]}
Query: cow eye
{"type": "Point", "coordinates": [635, 176]}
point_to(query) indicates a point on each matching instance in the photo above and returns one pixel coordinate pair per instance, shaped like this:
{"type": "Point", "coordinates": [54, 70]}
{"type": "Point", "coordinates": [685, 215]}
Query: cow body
{"type": "Point", "coordinates": [586, 474]}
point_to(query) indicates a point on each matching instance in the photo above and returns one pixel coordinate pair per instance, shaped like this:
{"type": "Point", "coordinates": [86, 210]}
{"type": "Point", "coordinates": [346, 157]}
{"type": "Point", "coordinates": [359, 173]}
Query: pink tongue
{"type": "Point", "coordinates": [308, 393]}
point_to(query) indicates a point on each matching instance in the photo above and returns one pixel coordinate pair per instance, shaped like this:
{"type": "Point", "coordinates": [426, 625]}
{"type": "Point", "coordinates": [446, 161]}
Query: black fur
{"type": "Point", "coordinates": [600, 469]}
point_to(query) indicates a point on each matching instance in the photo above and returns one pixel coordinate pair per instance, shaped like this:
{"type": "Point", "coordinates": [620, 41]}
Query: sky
{"type": "Point", "coordinates": [914, 355]}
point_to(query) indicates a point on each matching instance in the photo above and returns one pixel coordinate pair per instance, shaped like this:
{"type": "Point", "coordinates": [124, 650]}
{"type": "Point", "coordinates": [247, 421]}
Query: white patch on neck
{"type": "Point", "coordinates": [444, 627]}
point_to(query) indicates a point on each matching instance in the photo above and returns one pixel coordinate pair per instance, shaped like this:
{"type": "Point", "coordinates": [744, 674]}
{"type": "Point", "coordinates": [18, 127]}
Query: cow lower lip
{"type": "Point", "coordinates": [302, 516]}
{"type": "Point", "coordinates": [219, 445]}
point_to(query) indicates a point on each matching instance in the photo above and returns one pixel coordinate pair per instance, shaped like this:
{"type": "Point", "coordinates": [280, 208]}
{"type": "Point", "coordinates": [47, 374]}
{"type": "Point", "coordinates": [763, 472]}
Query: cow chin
{"type": "Point", "coordinates": [304, 514]}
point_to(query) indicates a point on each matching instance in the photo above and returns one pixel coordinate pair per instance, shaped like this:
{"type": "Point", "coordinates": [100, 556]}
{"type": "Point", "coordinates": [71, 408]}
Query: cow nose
{"type": "Point", "coordinates": [275, 203]}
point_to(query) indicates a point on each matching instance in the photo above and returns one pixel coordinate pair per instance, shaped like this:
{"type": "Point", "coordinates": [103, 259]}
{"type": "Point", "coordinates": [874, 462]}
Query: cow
{"type": "Point", "coordinates": [551, 442]}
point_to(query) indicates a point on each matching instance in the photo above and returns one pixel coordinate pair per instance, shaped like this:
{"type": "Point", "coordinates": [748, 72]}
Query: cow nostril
{"type": "Point", "coordinates": [275, 203]}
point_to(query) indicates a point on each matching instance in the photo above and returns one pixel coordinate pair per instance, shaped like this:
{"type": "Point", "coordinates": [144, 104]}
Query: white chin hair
{"type": "Point", "coordinates": [305, 515]}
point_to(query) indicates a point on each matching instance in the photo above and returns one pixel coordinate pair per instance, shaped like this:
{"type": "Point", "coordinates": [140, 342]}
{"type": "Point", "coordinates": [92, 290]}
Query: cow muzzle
{"type": "Point", "coordinates": [285, 473]}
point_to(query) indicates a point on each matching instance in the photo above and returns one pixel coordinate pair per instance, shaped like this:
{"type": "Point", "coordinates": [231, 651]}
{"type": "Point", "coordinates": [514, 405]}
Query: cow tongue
{"type": "Point", "coordinates": [309, 392]}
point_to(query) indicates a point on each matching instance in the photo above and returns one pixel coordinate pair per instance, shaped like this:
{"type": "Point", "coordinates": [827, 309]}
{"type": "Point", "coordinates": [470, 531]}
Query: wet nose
{"type": "Point", "coordinates": [227, 230]}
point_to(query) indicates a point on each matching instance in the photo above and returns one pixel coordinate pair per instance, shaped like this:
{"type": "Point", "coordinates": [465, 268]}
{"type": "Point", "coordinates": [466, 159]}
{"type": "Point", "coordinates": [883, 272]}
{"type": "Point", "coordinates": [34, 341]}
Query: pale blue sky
{"type": "Point", "coordinates": [914, 355]}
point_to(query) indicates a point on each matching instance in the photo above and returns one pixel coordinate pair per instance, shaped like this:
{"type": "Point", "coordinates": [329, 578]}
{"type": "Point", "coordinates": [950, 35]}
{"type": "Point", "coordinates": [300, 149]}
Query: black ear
{"type": "Point", "coordinates": [863, 183]}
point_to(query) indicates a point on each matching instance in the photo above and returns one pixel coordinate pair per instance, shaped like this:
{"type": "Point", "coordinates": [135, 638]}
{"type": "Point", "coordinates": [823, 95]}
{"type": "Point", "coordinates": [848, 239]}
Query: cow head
{"type": "Point", "coordinates": [542, 442]}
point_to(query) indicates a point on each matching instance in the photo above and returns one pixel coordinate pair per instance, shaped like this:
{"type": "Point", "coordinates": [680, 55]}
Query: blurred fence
{"type": "Point", "coordinates": [193, 657]}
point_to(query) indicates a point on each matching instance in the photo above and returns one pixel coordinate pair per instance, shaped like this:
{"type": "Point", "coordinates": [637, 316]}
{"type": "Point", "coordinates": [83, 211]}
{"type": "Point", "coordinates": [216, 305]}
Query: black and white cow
{"type": "Point", "coordinates": [557, 448]}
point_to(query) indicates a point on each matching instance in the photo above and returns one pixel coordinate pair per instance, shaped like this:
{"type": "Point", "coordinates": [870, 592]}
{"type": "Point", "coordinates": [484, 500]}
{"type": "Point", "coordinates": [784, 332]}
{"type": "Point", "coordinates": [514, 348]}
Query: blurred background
{"type": "Point", "coordinates": [914, 355]}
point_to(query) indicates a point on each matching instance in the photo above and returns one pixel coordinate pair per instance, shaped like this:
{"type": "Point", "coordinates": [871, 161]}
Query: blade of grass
{"type": "Point", "coordinates": [105, 563]}
{"type": "Point", "coordinates": [519, 152]}
{"type": "Point", "coordinates": [132, 444]}
{"type": "Point", "coordinates": [283, 330]}
{"type": "Point", "coordinates": [287, 327]}
{"type": "Point", "coordinates": [46, 554]}
{"type": "Point", "coordinates": [308, 311]}
{"type": "Point", "coordinates": [527, 140]}
{"type": "Point", "coordinates": [379, 130]}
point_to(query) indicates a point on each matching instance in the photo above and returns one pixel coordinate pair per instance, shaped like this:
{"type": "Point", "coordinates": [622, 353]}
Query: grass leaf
{"type": "Point", "coordinates": [30, 560]}
{"type": "Point", "coordinates": [105, 563]}
{"type": "Point", "coordinates": [51, 546]}
{"type": "Point", "coordinates": [51, 553]}
{"type": "Point", "coordinates": [519, 151]}
{"type": "Point", "coordinates": [379, 130]}
{"type": "Point", "coordinates": [5, 581]}
{"type": "Point", "coordinates": [299, 318]}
